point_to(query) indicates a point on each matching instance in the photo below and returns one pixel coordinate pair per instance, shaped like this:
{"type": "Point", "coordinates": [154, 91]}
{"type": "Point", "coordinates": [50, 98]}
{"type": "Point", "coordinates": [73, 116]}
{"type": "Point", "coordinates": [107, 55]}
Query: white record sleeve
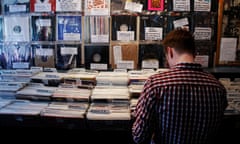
{"type": "Point", "coordinates": [17, 28]}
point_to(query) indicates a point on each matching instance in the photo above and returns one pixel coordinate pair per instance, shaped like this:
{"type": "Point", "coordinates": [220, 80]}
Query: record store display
{"type": "Point", "coordinates": [17, 28]}
{"type": "Point", "coordinates": [151, 52]}
{"type": "Point", "coordinates": [39, 6]}
{"type": "Point", "coordinates": [16, 55]}
{"type": "Point", "coordinates": [151, 27]}
{"type": "Point", "coordinates": [69, 28]}
{"type": "Point", "coordinates": [16, 6]}
{"type": "Point", "coordinates": [68, 6]}
{"type": "Point", "coordinates": [44, 55]}
{"type": "Point", "coordinates": [96, 56]}
{"type": "Point", "coordinates": [68, 56]}
{"type": "Point", "coordinates": [124, 27]}
{"type": "Point", "coordinates": [124, 54]}
{"type": "Point", "coordinates": [43, 28]}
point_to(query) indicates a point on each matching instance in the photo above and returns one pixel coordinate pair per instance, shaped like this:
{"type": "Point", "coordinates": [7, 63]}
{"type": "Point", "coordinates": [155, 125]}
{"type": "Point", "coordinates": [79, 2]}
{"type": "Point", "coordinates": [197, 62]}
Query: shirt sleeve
{"type": "Point", "coordinates": [143, 124]}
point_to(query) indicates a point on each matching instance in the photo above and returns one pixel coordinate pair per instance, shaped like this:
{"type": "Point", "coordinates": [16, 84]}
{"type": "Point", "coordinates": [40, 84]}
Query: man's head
{"type": "Point", "coordinates": [179, 46]}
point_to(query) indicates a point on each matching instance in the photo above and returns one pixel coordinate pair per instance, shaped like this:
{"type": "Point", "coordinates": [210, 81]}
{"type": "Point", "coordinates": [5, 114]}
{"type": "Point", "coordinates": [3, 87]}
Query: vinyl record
{"type": "Point", "coordinates": [151, 51]}
{"type": "Point", "coordinates": [96, 54]}
{"type": "Point", "coordinates": [44, 55]}
{"type": "Point", "coordinates": [68, 56]}
{"type": "Point", "coordinates": [124, 27]}
{"type": "Point", "coordinates": [43, 28]}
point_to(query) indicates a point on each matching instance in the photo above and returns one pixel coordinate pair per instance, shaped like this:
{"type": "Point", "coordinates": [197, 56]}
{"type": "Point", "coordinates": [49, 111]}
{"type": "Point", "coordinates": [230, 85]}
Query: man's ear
{"type": "Point", "coordinates": [170, 51]}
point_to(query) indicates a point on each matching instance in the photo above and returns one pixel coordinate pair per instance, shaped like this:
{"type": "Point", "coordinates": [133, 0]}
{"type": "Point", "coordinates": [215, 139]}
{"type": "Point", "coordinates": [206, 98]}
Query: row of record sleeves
{"type": "Point", "coordinates": [103, 29]}
{"type": "Point", "coordinates": [104, 7]}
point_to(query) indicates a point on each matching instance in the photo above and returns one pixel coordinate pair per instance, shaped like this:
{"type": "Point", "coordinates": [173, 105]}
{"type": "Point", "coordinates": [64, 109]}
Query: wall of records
{"type": "Point", "coordinates": [101, 34]}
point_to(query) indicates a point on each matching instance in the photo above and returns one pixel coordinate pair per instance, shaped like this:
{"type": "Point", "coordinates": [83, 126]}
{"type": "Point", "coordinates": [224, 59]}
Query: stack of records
{"type": "Point", "coordinates": [8, 89]}
{"type": "Point", "coordinates": [81, 78]}
{"type": "Point", "coordinates": [139, 76]}
{"type": "Point", "coordinates": [4, 102]}
{"type": "Point", "coordinates": [133, 103]}
{"type": "Point", "coordinates": [108, 111]}
{"type": "Point", "coordinates": [118, 94]}
{"type": "Point", "coordinates": [36, 91]}
{"type": "Point", "coordinates": [23, 107]}
{"type": "Point", "coordinates": [48, 78]}
{"type": "Point", "coordinates": [68, 92]}
{"type": "Point", "coordinates": [112, 78]}
{"type": "Point", "coordinates": [65, 109]}
{"type": "Point", "coordinates": [135, 89]}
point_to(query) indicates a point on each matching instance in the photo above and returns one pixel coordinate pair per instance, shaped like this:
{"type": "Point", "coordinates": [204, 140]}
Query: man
{"type": "Point", "coordinates": [184, 105]}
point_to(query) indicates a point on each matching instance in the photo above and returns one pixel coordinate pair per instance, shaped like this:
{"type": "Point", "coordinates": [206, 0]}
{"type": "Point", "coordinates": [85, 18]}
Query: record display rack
{"type": "Point", "coordinates": [101, 34]}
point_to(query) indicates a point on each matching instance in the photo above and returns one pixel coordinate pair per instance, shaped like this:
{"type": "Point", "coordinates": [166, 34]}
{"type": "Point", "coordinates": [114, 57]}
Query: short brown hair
{"type": "Point", "coordinates": [181, 40]}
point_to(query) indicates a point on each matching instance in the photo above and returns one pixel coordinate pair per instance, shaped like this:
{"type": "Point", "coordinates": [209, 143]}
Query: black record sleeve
{"type": "Point", "coordinates": [96, 54]}
{"type": "Point", "coordinates": [151, 51]}
{"type": "Point", "coordinates": [124, 24]}
{"type": "Point", "coordinates": [68, 56]}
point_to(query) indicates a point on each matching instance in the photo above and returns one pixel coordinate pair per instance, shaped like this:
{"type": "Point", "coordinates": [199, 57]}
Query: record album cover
{"type": "Point", "coordinates": [16, 6]}
{"type": "Point", "coordinates": [68, 56]}
{"type": "Point", "coordinates": [17, 28]}
{"type": "Point", "coordinates": [182, 21]}
{"type": "Point", "coordinates": [127, 53]}
{"type": "Point", "coordinates": [96, 55]}
{"type": "Point", "coordinates": [69, 28]}
{"type": "Point", "coordinates": [43, 28]}
{"type": "Point", "coordinates": [68, 6]}
{"type": "Point", "coordinates": [124, 27]}
{"type": "Point", "coordinates": [97, 7]}
{"type": "Point", "coordinates": [204, 26]}
{"type": "Point", "coordinates": [179, 5]}
{"type": "Point", "coordinates": [16, 55]}
{"type": "Point", "coordinates": [97, 29]}
{"type": "Point", "coordinates": [151, 52]}
{"type": "Point", "coordinates": [157, 5]}
{"type": "Point", "coordinates": [44, 55]}
{"type": "Point", "coordinates": [42, 5]}
{"type": "Point", "coordinates": [151, 27]}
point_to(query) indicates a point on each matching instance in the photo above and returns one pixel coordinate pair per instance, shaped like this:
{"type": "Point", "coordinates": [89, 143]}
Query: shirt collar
{"type": "Point", "coordinates": [190, 66]}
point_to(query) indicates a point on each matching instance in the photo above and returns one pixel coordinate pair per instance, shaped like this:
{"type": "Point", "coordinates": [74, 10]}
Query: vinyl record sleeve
{"type": "Point", "coordinates": [151, 51]}
{"type": "Point", "coordinates": [68, 6]}
{"type": "Point", "coordinates": [17, 28]}
{"type": "Point", "coordinates": [204, 26]}
{"type": "Point", "coordinates": [179, 5]}
{"type": "Point", "coordinates": [202, 5]}
{"type": "Point", "coordinates": [124, 27]}
{"type": "Point", "coordinates": [97, 7]}
{"type": "Point", "coordinates": [97, 29]}
{"type": "Point", "coordinates": [183, 21]}
{"type": "Point", "coordinates": [16, 56]}
{"type": "Point", "coordinates": [157, 5]}
{"type": "Point", "coordinates": [16, 6]}
{"type": "Point", "coordinates": [117, 6]}
{"type": "Point", "coordinates": [44, 55]}
{"type": "Point", "coordinates": [124, 52]}
{"type": "Point", "coordinates": [96, 54]}
{"type": "Point", "coordinates": [43, 28]}
{"type": "Point", "coordinates": [68, 56]}
{"type": "Point", "coordinates": [151, 27]}
{"type": "Point", "coordinates": [69, 28]}
{"type": "Point", "coordinates": [42, 5]}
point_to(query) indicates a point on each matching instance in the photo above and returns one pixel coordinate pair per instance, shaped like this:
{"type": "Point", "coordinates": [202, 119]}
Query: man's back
{"type": "Point", "coordinates": [181, 106]}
